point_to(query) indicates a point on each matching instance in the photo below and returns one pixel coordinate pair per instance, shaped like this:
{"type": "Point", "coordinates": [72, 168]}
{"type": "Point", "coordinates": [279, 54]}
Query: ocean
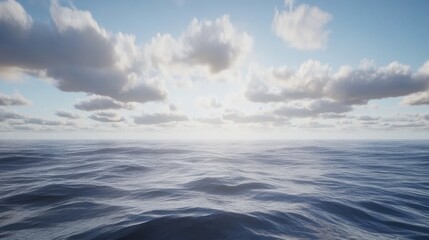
{"type": "Point", "coordinates": [214, 189]}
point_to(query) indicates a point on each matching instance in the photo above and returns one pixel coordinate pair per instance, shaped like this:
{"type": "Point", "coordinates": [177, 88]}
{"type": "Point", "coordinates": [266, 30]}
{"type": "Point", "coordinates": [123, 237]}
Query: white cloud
{"type": "Point", "coordinates": [13, 100]}
{"type": "Point", "coordinates": [280, 84]}
{"type": "Point", "coordinates": [216, 45]}
{"type": "Point", "coordinates": [314, 80]}
{"type": "Point", "coordinates": [302, 27]}
{"type": "Point", "coordinates": [107, 117]}
{"type": "Point", "coordinates": [7, 115]}
{"type": "Point", "coordinates": [65, 114]}
{"type": "Point", "coordinates": [95, 103]}
{"type": "Point", "coordinates": [43, 122]}
{"type": "Point", "coordinates": [76, 52]}
{"type": "Point", "coordinates": [19, 121]}
{"type": "Point", "coordinates": [15, 14]}
{"type": "Point", "coordinates": [420, 98]}
{"type": "Point", "coordinates": [158, 118]}
{"type": "Point", "coordinates": [311, 108]}
{"type": "Point", "coordinates": [360, 85]}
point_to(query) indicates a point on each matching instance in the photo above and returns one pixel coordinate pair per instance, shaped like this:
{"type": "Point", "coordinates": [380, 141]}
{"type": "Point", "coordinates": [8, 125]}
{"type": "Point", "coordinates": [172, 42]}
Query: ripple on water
{"type": "Point", "coordinates": [214, 190]}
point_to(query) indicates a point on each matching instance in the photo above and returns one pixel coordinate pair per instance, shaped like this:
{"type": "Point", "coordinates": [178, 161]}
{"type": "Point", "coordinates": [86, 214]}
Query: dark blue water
{"type": "Point", "coordinates": [214, 190]}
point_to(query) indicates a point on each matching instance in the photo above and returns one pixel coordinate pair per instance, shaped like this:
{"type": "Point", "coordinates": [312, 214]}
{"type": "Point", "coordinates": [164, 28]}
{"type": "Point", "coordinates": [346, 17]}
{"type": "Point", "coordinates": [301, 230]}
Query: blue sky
{"type": "Point", "coordinates": [210, 69]}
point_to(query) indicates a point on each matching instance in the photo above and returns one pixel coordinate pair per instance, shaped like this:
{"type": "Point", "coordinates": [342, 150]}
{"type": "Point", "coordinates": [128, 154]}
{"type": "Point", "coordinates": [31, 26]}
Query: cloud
{"type": "Point", "coordinates": [7, 115]}
{"type": "Point", "coordinates": [395, 122]}
{"type": "Point", "coordinates": [238, 117]}
{"type": "Point", "coordinates": [367, 118]}
{"type": "Point", "coordinates": [13, 100]}
{"type": "Point", "coordinates": [106, 117]}
{"type": "Point", "coordinates": [76, 52]}
{"type": "Point", "coordinates": [312, 108]}
{"type": "Point", "coordinates": [258, 91]}
{"type": "Point", "coordinates": [333, 115]}
{"type": "Point", "coordinates": [17, 119]}
{"type": "Point", "coordinates": [158, 118]}
{"type": "Point", "coordinates": [43, 122]}
{"type": "Point", "coordinates": [210, 120]}
{"type": "Point", "coordinates": [358, 86]}
{"type": "Point", "coordinates": [420, 98]}
{"type": "Point", "coordinates": [314, 124]}
{"type": "Point", "coordinates": [172, 107]}
{"type": "Point", "coordinates": [314, 80]}
{"type": "Point", "coordinates": [101, 103]}
{"type": "Point", "coordinates": [307, 81]}
{"type": "Point", "coordinates": [404, 118]}
{"type": "Point", "coordinates": [12, 12]}
{"type": "Point", "coordinates": [216, 45]}
{"type": "Point", "coordinates": [302, 27]}
{"type": "Point", "coordinates": [209, 102]}
{"type": "Point", "coordinates": [65, 114]}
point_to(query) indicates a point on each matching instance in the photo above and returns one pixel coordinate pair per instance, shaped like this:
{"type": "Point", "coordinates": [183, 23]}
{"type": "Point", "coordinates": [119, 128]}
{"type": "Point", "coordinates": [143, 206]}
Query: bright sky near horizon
{"type": "Point", "coordinates": [238, 69]}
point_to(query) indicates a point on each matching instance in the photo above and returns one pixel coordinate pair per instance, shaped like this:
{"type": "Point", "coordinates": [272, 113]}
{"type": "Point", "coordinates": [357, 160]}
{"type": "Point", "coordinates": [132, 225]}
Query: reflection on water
{"type": "Point", "coordinates": [214, 190]}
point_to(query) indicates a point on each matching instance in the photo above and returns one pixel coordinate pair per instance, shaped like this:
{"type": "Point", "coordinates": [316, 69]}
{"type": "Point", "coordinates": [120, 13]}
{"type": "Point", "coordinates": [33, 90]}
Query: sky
{"type": "Point", "coordinates": [188, 69]}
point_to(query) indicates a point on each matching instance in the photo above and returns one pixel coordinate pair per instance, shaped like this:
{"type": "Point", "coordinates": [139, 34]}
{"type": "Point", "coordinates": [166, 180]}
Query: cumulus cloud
{"type": "Point", "coordinates": [65, 114]}
{"type": "Point", "coordinates": [12, 12]}
{"type": "Point", "coordinates": [420, 98]}
{"type": "Point", "coordinates": [314, 80]}
{"type": "Point", "coordinates": [312, 108]}
{"type": "Point", "coordinates": [13, 100]}
{"type": "Point", "coordinates": [302, 27]}
{"type": "Point", "coordinates": [358, 86]}
{"type": "Point", "coordinates": [76, 52]}
{"type": "Point", "coordinates": [258, 91]}
{"type": "Point", "coordinates": [158, 118]}
{"type": "Point", "coordinates": [96, 103]}
{"type": "Point", "coordinates": [280, 84]}
{"type": "Point", "coordinates": [216, 45]}
{"type": "Point", "coordinates": [106, 117]}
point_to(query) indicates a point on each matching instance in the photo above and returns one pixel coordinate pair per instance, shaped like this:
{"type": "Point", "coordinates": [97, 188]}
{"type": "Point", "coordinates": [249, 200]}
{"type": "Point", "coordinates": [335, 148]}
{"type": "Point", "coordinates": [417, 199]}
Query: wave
{"type": "Point", "coordinates": [214, 190]}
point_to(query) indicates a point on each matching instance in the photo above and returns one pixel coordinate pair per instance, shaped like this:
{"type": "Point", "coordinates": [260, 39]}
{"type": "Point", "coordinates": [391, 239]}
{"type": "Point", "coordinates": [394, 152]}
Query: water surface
{"type": "Point", "coordinates": [214, 190]}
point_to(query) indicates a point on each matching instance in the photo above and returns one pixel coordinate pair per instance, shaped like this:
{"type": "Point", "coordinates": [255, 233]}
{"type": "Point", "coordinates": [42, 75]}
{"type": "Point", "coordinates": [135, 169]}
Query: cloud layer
{"type": "Point", "coordinates": [65, 114]}
{"type": "Point", "coordinates": [159, 118]}
{"type": "Point", "coordinates": [314, 80]}
{"type": "Point", "coordinates": [101, 103]}
{"type": "Point", "coordinates": [106, 117]}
